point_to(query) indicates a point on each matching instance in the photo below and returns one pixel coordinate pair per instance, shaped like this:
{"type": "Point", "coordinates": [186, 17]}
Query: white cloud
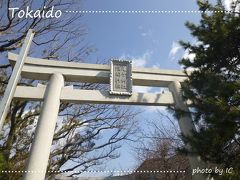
{"type": "Point", "coordinates": [157, 90]}
{"type": "Point", "coordinates": [147, 89]}
{"type": "Point", "coordinates": [189, 68]}
{"type": "Point", "coordinates": [138, 61]}
{"type": "Point", "coordinates": [188, 55]}
{"type": "Point", "coordinates": [191, 56]}
{"type": "Point", "coordinates": [149, 33]}
{"type": "Point", "coordinates": [142, 89]}
{"type": "Point", "coordinates": [228, 4]}
{"type": "Point", "coordinates": [156, 66]}
{"type": "Point", "coordinates": [142, 60]}
{"type": "Point", "coordinates": [175, 49]}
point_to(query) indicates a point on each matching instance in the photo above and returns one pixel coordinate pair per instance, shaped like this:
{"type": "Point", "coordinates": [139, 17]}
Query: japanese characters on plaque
{"type": "Point", "coordinates": [121, 77]}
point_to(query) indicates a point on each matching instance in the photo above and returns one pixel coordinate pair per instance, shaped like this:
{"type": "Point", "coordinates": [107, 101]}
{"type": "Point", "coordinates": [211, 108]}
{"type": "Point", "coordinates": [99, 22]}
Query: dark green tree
{"type": "Point", "coordinates": [214, 85]}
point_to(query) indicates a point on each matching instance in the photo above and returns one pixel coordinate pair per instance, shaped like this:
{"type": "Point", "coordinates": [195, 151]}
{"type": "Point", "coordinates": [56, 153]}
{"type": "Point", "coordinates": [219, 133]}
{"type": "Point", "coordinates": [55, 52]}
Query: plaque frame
{"type": "Point", "coordinates": [128, 65]}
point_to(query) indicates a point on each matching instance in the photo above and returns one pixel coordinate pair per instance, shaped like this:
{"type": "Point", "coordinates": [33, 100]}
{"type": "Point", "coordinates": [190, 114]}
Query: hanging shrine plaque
{"type": "Point", "coordinates": [121, 77]}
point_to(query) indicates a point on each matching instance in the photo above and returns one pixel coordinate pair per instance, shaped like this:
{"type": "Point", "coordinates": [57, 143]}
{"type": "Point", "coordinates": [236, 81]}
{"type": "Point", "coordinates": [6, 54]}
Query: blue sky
{"type": "Point", "coordinates": [149, 40]}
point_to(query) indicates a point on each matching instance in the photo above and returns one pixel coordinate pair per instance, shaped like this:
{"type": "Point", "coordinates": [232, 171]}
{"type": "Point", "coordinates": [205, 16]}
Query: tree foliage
{"type": "Point", "coordinates": [214, 84]}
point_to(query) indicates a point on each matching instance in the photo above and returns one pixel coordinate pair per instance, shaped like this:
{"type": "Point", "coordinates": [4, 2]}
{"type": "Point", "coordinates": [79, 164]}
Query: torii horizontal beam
{"type": "Point", "coordinates": [71, 95]}
{"type": "Point", "coordinates": [42, 69]}
{"type": "Point", "coordinates": [57, 72]}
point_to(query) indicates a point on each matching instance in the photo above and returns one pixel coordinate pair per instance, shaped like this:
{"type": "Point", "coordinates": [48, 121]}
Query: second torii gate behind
{"type": "Point", "coordinates": [59, 71]}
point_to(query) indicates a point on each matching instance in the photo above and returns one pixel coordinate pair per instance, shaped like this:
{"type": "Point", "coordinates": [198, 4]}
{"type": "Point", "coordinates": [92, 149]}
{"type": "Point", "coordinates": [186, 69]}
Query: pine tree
{"type": "Point", "coordinates": [214, 85]}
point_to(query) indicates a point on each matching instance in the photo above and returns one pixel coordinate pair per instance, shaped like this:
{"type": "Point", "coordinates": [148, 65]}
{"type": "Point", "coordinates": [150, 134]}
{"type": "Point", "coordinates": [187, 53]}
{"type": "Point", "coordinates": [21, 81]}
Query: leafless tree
{"type": "Point", "coordinates": [85, 135]}
{"type": "Point", "coordinates": [158, 150]}
{"type": "Point", "coordinates": [163, 130]}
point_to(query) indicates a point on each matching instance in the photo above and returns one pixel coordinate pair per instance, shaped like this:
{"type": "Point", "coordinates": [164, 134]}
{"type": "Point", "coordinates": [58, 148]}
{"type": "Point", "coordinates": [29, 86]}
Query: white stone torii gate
{"type": "Point", "coordinates": [56, 72]}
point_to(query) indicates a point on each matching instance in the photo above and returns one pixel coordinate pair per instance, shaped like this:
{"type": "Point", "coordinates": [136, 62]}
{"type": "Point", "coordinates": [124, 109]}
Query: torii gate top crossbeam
{"type": "Point", "coordinates": [55, 92]}
{"type": "Point", "coordinates": [42, 69]}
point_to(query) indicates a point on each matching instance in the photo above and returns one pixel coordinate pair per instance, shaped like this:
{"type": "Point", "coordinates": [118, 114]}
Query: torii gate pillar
{"type": "Point", "coordinates": [41, 147]}
{"type": "Point", "coordinates": [55, 92]}
{"type": "Point", "coordinates": [186, 126]}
